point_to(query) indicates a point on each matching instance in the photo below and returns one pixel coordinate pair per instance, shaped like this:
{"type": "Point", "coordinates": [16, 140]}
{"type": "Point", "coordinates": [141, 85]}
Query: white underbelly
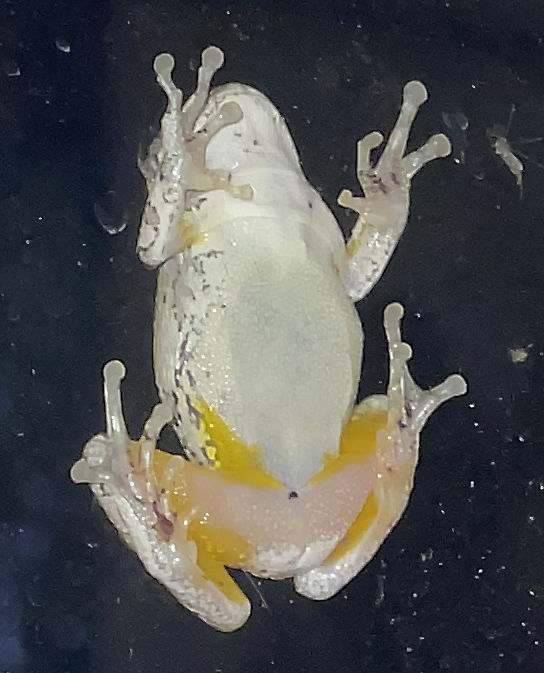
{"type": "Point", "coordinates": [268, 340]}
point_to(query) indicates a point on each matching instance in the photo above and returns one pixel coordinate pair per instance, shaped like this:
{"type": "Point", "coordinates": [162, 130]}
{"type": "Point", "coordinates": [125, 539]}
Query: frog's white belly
{"type": "Point", "coordinates": [253, 320]}
{"type": "Point", "coordinates": [268, 340]}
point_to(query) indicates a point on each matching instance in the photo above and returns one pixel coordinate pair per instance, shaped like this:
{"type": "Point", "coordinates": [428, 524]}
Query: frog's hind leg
{"type": "Point", "coordinates": [132, 482]}
{"type": "Point", "coordinates": [383, 211]}
{"type": "Point", "coordinates": [405, 409]}
{"type": "Point", "coordinates": [106, 456]}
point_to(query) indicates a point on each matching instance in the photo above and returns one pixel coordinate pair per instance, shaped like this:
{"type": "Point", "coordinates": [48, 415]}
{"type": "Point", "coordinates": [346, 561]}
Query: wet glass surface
{"type": "Point", "coordinates": [459, 584]}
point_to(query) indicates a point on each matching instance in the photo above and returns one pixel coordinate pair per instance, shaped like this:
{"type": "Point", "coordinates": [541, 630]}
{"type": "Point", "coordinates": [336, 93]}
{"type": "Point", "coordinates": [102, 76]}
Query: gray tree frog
{"type": "Point", "coordinates": [257, 355]}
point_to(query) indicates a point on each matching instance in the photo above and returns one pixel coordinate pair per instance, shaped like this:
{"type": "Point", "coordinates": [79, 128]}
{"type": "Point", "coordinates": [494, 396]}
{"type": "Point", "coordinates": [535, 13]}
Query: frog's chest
{"type": "Point", "coordinates": [254, 324]}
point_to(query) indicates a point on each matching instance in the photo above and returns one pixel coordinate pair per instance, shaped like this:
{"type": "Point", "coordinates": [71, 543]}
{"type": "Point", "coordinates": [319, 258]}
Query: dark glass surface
{"type": "Point", "coordinates": [459, 584]}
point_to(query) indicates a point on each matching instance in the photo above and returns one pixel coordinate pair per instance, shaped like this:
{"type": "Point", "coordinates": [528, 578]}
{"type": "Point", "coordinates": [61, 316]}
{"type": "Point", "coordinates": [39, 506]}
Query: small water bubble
{"type": "Point", "coordinates": [457, 125]}
{"type": "Point", "coordinates": [63, 45]}
{"type": "Point", "coordinates": [110, 214]}
{"type": "Point", "coordinates": [10, 67]}
{"type": "Point", "coordinates": [455, 120]}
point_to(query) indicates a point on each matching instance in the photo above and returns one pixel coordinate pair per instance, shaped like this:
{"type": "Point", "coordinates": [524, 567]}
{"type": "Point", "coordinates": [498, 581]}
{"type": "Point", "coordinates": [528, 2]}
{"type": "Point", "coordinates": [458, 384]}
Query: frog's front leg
{"type": "Point", "coordinates": [383, 210]}
{"type": "Point", "coordinates": [175, 167]}
{"type": "Point", "coordinates": [133, 483]}
{"type": "Point", "coordinates": [405, 409]}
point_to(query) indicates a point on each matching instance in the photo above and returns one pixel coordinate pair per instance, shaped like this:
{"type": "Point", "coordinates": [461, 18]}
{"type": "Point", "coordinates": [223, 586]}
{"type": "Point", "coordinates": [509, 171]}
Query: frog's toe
{"type": "Point", "coordinates": [415, 94]}
{"type": "Point", "coordinates": [437, 146]}
{"type": "Point", "coordinates": [92, 467]}
{"type": "Point", "coordinates": [364, 147]}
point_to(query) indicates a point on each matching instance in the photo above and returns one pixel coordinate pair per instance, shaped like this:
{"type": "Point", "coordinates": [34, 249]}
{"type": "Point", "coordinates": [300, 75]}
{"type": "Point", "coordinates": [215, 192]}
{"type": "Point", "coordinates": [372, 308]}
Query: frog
{"type": "Point", "coordinates": [257, 356]}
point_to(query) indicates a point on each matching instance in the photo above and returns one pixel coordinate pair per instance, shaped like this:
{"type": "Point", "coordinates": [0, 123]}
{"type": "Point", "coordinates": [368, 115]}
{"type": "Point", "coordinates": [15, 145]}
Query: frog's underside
{"type": "Point", "coordinates": [257, 357]}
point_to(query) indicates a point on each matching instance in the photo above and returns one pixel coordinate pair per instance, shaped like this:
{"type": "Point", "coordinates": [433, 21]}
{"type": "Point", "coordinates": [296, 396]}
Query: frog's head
{"type": "Point", "coordinates": [175, 165]}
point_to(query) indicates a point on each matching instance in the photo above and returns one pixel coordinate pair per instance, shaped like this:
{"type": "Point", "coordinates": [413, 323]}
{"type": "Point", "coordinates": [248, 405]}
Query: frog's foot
{"type": "Point", "coordinates": [406, 408]}
{"type": "Point", "coordinates": [122, 475]}
{"type": "Point", "coordinates": [383, 211]}
{"type": "Point", "coordinates": [175, 168]}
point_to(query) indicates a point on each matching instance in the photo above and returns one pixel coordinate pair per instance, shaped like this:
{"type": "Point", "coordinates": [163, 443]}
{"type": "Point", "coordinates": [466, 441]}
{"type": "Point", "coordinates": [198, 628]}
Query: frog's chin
{"type": "Point", "coordinates": [260, 137]}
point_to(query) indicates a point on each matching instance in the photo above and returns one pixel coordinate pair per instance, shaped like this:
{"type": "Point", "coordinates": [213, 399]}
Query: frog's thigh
{"type": "Point", "coordinates": [134, 503]}
{"type": "Point", "coordinates": [196, 575]}
{"type": "Point", "coordinates": [203, 586]}
{"type": "Point", "coordinates": [380, 513]}
{"type": "Point", "coordinates": [193, 577]}
{"type": "Point", "coordinates": [406, 408]}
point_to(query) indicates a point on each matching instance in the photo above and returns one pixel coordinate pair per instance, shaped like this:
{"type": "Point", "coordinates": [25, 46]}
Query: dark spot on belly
{"type": "Point", "coordinates": [293, 494]}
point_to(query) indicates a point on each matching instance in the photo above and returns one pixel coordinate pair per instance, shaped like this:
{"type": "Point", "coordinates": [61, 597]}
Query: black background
{"type": "Point", "coordinates": [459, 584]}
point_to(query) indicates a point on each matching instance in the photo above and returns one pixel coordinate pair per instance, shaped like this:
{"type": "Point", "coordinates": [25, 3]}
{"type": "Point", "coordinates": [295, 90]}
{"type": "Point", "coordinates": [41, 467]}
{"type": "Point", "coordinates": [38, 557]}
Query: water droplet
{"type": "Point", "coordinates": [10, 67]}
{"type": "Point", "coordinates": [63, 45]}
{"type": "Point", "coordinates": [455, 120]}
{"type": "Point", "coordinates": [110, 213]}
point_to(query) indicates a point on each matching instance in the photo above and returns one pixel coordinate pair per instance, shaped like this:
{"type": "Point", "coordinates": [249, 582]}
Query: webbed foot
{"type": "Point", "coordinates": [123, 476]}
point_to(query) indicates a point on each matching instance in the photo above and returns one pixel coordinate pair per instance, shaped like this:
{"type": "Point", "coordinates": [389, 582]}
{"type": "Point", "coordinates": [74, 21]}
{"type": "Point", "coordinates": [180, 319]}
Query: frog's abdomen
{"type": "Point", "coordinates": [278, 353]}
